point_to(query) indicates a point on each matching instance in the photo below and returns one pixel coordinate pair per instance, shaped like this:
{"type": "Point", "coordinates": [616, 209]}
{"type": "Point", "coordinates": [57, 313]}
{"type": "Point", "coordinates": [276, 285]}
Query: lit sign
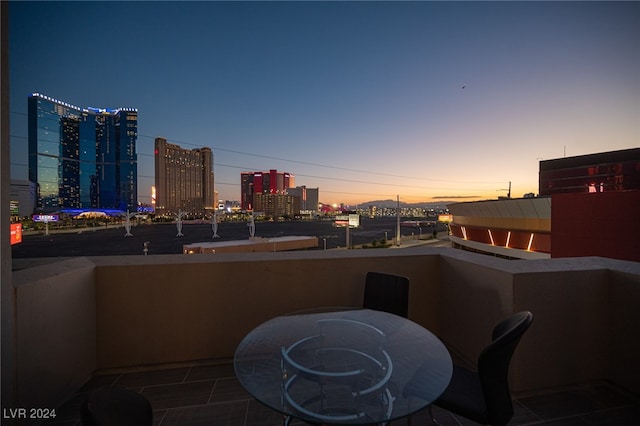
{"type": "Point", "coordinates": [16, 233]}
{"type": "Point", "coordinates": [45, 218]}
{"type": "Point", "coordinates": [341, 220]}
{"type": "Point", "coordinates": [352, 220]}
{"type": "Point", "coordinates": [102, 110]}
{"type": "Point", "coordinates": [445, 218]}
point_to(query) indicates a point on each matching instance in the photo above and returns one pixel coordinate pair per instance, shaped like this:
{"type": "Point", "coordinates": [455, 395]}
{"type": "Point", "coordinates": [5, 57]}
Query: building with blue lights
{"type": "Point", "coordinates": [82, 158]}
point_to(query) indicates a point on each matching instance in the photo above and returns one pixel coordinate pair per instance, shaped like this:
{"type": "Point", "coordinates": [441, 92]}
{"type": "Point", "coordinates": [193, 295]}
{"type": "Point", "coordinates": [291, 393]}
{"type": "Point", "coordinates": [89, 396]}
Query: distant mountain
{"type": "Point", "coordinates": [394, 203]}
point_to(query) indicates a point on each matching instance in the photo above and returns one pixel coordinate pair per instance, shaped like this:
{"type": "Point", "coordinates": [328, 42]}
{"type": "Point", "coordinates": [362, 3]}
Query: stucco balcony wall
{"type": "Point", "coordinates": [79, 316]}
{"type": "Point", "coordinates": [624, 326]}
{"type": "Point", "coordinates": [55, 348]}
{"type": "Point", "coordinates": [173, 309]}
{"type": "Point", "coordinates": [574, 346]}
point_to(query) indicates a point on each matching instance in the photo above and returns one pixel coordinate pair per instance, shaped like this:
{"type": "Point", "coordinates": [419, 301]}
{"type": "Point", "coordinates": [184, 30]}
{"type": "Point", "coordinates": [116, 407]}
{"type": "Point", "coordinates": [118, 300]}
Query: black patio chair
{"type": "Point", "coordinates": [387, 292]}
{"type": "Point", "coordinates": [484, 396]}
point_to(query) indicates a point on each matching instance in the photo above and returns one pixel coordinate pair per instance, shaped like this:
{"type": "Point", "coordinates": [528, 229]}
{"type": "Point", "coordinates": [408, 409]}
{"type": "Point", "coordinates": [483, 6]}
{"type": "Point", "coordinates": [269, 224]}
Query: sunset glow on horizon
{"type": "Point", "coordinates": [428, 101]}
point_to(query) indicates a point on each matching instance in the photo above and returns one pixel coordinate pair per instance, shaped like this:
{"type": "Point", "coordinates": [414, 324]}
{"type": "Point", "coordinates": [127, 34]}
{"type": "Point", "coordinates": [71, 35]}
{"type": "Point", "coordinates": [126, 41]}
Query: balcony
{"type": "Point", "coordinates": [168, 326]}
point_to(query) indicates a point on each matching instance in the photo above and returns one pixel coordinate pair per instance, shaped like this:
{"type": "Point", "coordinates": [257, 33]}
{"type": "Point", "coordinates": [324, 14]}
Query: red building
{"type": "Point", "coordinates": [598, 224]}
{"type": "Point", "coordinates": [271, 182]}
{"type": "Point", "coordinates": [602, 172]}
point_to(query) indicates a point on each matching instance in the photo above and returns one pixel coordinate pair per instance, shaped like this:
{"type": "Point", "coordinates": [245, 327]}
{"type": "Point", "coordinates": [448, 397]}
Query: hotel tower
{"type": "Point", "coordinates": [184, 179]}
{"type": "Point", "coordinates": [82, 158]}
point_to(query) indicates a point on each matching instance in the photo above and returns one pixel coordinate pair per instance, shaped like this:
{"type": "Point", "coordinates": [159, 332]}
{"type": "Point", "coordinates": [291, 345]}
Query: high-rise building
{"type": "Point", "coordinates": [271, 182]}
{"type": "Point", "coordinates": [184, 179]}
{"type": "Point", "coordinates": [309, 198]}
{"type": "Point", "coordinates": [82, 158]}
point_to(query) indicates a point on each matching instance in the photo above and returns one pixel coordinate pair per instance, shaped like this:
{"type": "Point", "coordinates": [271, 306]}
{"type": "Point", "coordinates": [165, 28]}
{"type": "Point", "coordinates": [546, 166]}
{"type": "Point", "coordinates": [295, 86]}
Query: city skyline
{"type": "Point", "coordinates": [364, 100]}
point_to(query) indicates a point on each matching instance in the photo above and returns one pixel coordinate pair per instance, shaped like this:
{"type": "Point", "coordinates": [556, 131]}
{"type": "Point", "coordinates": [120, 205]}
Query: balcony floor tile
{"type": "Point", "coordinates": [211, 395]}
{"type": "Point", "coordinates": [179, 395]}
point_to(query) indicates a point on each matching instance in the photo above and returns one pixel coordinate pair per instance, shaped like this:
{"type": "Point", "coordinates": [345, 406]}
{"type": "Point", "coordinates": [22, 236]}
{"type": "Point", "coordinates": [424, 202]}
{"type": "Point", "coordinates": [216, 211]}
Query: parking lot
{"type": "Point", "coordinates": [163, 239]}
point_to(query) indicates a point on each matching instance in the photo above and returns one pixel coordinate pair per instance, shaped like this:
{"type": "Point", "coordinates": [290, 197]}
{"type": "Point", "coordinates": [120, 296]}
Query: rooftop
{"type": "Point", "coordinates": [253, 244]}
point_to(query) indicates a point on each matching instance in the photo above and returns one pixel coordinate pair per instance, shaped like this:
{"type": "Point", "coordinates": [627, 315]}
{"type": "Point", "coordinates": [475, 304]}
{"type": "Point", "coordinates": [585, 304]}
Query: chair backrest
{"type": "Point", "coordinates": [387, 292]}
{"type": "Point", "coordinates": [493, 366]}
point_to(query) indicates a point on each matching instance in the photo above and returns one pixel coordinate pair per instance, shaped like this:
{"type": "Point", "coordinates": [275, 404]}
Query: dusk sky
{"type": "Point", "coordinates": [364, 100]}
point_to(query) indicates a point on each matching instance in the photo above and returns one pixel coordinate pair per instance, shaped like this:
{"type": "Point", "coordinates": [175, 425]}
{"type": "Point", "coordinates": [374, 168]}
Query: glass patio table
{"type": "Point", "coordinates": [347, 367]}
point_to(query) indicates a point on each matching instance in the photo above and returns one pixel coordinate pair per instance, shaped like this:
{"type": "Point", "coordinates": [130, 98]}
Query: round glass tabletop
{"type": "Point", "coordinates": [346, 367]}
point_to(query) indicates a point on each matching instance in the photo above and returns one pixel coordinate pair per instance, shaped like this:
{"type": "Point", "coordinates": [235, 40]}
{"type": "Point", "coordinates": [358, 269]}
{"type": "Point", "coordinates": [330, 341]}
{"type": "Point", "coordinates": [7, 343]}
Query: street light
{"type": "Point", "coordinates": [507, 189]}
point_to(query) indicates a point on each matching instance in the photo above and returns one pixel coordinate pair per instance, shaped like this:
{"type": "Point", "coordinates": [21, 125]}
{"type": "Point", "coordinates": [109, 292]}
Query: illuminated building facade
{"type": "Point", "coordinates": [589, 206]}
{"type": "Point", "coordinates": [277, 205]}
{"type": "Point", "coordinates": [309, 198]}
{"type": "Point", "coordinates": [184, 179]}
{"type": "Point", "coordinates": [602, 172]}
{"type": "Point", "coordinates": [271, 182]}
{"type": "Point", "coordinates": [514, 228]}
{"type": "Point", "coordinates": [82, 158]}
